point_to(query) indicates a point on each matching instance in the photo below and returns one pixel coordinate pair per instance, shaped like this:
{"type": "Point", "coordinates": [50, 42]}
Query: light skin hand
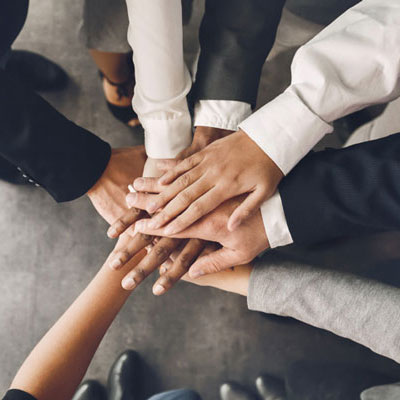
{"type": "Point", "coordinates": [190, 189]}
{"type": "Point", "coordinates": [238, 247]}
{"type": "Point", "coordinates": [108, 194]}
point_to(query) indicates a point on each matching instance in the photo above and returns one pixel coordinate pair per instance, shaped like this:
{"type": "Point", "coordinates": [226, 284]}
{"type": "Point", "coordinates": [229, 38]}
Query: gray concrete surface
{"type": "Point", "coordinates": [192, 337]}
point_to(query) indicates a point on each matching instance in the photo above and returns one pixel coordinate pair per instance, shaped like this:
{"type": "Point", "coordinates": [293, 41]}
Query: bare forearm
{"type": "Point", "coordinates": [58, 363]}
{"type": "Point", "coordinates": [235, 280]}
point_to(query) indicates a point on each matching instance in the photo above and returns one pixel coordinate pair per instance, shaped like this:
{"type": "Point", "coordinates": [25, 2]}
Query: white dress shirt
{"type": "Point", "coordinates": [162, 78]}
{"type": "Point", "coordinates": [163, 81]}
{"type": "Point", "coordinates": [351, 64]}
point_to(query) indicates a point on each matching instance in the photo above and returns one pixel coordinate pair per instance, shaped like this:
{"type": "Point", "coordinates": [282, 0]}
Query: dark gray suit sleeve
{"type": "Point", "coordinates": [235, 39]}
{"type": "Point", "coordinates": [344, 192]}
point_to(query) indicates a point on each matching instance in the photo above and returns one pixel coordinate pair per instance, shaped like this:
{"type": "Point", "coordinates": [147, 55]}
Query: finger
{"type": "Point", "coordinates": [121, 255]}
{"type": "Point", "coordinates": [150, 185]}
{"type": "Point", "coordinates": [183, 154]}
{"type": "Point", "coordinates": [196, 210]}
{"type": "Point", "coordinates": [214, 262]}
{"type": "Point", "coordinates": [123, 223]}
{"type": "Point", "coordinates": [143, 201]}
{"type": "Point", "coordinates": [182, 167]}
{"type": "Point", "coordinates": [165, 165]}
{"type": "Point", "coordinates": [179, 267]}
{"type": "Point", "coordinates": [246, 209]}
{"type": "Point", "coordinates": [158, 255]}
{"type": "Point", "coordinates": [165, 266]}
{"type": "Point", "coordinates": [186, 188]}
{"type": "Point", "coordinates": [181, 203]}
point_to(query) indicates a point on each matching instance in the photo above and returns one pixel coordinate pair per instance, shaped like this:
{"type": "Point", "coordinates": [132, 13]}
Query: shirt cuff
{"type": "Point", "coordinates": [285, 129]}
{"type": "Point", "coordinates": [166, 138]}
{"type": "Point", "coordinates": [275, 223]}
{"type": "Point", "coordinates": [222, 114]}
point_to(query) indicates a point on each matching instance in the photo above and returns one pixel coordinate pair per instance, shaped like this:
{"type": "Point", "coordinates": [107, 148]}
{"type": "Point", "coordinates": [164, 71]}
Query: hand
{"type": "Point", "coordinates": [238, 247]}
{"type": "Point", "coordinates": [108, 194]}
{"type": "Point", "coordinates": [182, 252]}
{"type": "Point", "coordinates": [203, 136]}
{"type": "Point", "coordinates": [197, 185]}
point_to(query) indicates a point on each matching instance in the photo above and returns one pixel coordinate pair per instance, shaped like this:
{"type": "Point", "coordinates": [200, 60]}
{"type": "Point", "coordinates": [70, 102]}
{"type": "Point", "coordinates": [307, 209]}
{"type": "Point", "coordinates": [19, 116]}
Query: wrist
{"type": "Point", "coordinates": [204, 135]}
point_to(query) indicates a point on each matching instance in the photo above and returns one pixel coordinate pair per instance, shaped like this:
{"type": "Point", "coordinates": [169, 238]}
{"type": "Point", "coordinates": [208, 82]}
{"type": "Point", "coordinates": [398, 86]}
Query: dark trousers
{"type": "Point", "coordinates": [307, 380]}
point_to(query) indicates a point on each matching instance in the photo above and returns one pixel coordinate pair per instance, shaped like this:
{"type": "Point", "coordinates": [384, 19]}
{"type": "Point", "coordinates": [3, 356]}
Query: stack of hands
{"type": "Point", "coordinates": [200, 217]}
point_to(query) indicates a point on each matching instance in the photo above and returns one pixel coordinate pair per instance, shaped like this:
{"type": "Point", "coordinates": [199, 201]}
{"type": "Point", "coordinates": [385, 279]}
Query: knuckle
{"type": "Point", "coordinates": [146, 238]}
{"type": "Point", "coordinates": [124, 255]}
{"type": "Point", "coordinates": [197, 208]}
{"type": "Point", "coordinates": [185, 197]}
{"type": "Point", "coordinates": [120, 225]}
{"type": "Point", "coordinates": [190, 162]}
{"type": "Point", "coordinates": [139, 274]}
{"type": "Point", "coordinates": [161, 252]}
{"type": "Point", "coordinates": [168, 281]}
{"type": "Point", "coordinates": [184, 180]}
{"type": "Point", "coordinates": [185, 260]}
{"type": "Point", "coordinates": [246, 212]}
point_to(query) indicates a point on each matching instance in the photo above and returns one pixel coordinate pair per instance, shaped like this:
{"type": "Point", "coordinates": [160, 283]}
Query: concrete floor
{"type": "Point", "coordinates": [192, 337]}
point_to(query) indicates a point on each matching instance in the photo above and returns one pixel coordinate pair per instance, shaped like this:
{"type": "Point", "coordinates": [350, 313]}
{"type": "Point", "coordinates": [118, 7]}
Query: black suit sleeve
{"type": "Point", "coordinates": [235, 39]}
{"type": "Point", "coordinates": [62, 157]}
{"type": "Point", "coordinates": [344, 192]}
{"type": "Point", "coordinates": [15, 394]}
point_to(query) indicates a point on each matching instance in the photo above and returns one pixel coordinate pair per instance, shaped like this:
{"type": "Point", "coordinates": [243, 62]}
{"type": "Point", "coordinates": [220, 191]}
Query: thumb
{"type": "Point", "coordinates": [216, 261]}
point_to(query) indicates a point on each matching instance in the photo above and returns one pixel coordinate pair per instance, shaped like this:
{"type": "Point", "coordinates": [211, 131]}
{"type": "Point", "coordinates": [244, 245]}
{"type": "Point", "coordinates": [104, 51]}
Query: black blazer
{"type": "Point", "coordinates": [344, 192]}
{"type": "Point", "coordinates": [235, 39]}
{"type": "Point", "coordinates": [60, 156]}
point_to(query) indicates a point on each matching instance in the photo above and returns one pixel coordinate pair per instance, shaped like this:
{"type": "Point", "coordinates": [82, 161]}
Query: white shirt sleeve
{"type": "Point", "coordinates": [162, 78]}
{"type": "Point", "coordinates": [275, 223]}
{"type": "Point", "coordinates": [353, 63]}
{"type": "Point", "coordinates": [223, 114]}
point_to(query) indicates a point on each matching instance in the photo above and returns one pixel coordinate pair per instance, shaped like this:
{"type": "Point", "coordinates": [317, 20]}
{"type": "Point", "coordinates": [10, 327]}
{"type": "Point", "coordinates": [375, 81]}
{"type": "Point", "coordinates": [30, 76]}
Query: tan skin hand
{"type": "Point", "coordinates": [159, 251]}
{"type": "Point", "coordinates": [108, 194]}
{"type": "Point", "coordinates": [238, 247]}
{"type": "Point", "coordinates": [203, 136]}
{"type": "Point", "coordinates": [228, 167]}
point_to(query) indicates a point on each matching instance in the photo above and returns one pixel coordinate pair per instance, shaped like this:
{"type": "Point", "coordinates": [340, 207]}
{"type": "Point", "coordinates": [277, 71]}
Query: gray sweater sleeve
{"type": "Point", "coordinates": [363, 310]}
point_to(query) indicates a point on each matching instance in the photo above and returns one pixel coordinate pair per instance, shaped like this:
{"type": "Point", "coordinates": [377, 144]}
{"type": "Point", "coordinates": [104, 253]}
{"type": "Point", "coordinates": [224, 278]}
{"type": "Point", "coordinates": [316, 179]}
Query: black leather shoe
{"type": "Point", "coordinates": [270, 388]}
{"type": "Point", "coordinates": [234, 391]}
{"type": "Point", "coordinates": [36, 71]}
{"type": "Point", "coordinates": [90, 390]}
{"type": "Point", "coordinates": [124, 377]}
{"type": "Point", "coordinates": [10, 173]}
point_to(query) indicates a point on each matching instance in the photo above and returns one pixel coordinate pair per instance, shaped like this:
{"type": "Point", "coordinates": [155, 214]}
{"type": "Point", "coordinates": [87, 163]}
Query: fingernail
{"type": "Point", "coordinates": [131, 189]}
{"type": "Point", "coordinates": [138, 184]}
{"type": "Point", "coordinates": [128, 283]}
{"type": "Point", "coordinates": [112, 232]}
{"type": "Point", "coordinates": [196, 274]}
{"type": "Point", "coordinates": [131, 199]}
{"type": "Point", "coordinates": [158, 289]}
{"type": "Point", "coordinates": [115, 264]}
